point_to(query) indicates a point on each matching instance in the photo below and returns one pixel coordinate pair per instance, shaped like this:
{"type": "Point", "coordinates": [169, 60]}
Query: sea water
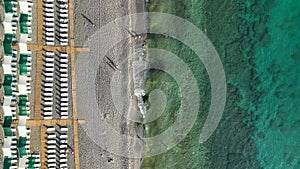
{"type": "Point", "coordinates": [259, 44]}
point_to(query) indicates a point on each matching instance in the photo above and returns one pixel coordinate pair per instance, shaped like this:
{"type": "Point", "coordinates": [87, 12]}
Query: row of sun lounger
{"type": "Point", "coordinates": [62, 31]}
{"type": "Point", "coordinates": [55, 85]}
{"type": "Point", "coordinates": [61, 85]}
{"type": "Point", "coordinates": [56, 30]}
{"type": "Point", "coordinates": [57, 147]}
{"type": "Point", "coordinates": [48, 12]}
{"type": "Point", "coordinates": [47, 84]}
{"type": "Point", "coordinates": [55, 97]}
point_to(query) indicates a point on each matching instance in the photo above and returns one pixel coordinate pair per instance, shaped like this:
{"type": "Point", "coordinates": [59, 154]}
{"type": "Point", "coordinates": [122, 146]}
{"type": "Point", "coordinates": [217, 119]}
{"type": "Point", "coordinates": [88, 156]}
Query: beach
{"type": "Point", "coordinates": [258, 43]}
{"type": "Point", "coordinates": [100, 13]}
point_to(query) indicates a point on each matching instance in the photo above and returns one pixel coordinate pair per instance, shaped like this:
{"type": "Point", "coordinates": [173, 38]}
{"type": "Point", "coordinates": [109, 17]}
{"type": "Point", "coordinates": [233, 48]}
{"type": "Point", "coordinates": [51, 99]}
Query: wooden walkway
{"type": "Point", "coordinates": [74, 110]}
{"type": "Point", "coordinates": [39, 47]}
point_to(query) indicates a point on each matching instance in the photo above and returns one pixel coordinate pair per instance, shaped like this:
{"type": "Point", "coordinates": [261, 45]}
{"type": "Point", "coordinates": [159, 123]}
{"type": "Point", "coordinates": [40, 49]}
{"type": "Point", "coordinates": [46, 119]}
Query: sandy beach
{"type": "Point", "coordinates": [102, 12]}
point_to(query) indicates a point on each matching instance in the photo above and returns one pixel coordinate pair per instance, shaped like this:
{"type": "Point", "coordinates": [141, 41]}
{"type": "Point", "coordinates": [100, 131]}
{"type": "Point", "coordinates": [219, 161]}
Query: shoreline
{"type": "Point", "coordinates": [139, 82]}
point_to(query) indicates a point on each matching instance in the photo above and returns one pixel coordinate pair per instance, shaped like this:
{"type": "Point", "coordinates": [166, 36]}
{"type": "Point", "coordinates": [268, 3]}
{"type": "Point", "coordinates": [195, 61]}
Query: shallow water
{"type": "Point", "coordinates": [259, 45]}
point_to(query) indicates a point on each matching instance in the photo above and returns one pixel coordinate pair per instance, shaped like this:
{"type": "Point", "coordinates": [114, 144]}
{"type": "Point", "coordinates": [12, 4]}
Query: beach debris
{"type": "Point", "coordinates": [90, 21]}
{"type": "Point", "coordinates": [112, 64]}
{"type": "Point", "coordinates": [133, 34]}
{"type": "Point", "coordinates": [137, 35]}
{"type": "Point", "coordinates": [110, 159]}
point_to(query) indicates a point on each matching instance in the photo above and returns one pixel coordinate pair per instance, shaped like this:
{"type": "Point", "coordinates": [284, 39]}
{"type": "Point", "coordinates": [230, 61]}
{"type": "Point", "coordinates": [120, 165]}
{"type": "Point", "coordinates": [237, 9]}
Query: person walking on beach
{"type": "Point", "coordinates": [85, 17]}
{"type": "Point", "coordinates": [112, 64]}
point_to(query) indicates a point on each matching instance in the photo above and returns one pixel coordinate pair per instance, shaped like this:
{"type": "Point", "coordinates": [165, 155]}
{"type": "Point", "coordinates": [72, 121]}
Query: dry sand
{"type": "Point", "coordinates": [102, 12]}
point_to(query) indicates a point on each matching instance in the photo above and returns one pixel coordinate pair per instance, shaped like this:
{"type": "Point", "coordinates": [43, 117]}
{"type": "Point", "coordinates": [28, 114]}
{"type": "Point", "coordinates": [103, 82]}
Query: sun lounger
{"type": "Point", "coordinates": [48, 14]}
{"type": "Point", "coordinates": [48, 10]}
{"type": "Point", "coordinates": [47, 23]}
{"type": "Point", "coordinates": [47, 94]}
{"type": "Point", "coordinates": [49, 19]}
{"type": "Point", "coordinates": [63, 25]}
{"type": "Point", "coordinates": [47, 84]}
{"type": "Point", "coordinates": [51, 128]}
{"type": "Point", "coordinates": [51, 141]}
{"type": "Point", "coordinates": [51, 151]}
{"type": "Point", "coordinates": [48, 5]}
{"type": "Point", "coordinates": [46, 53]}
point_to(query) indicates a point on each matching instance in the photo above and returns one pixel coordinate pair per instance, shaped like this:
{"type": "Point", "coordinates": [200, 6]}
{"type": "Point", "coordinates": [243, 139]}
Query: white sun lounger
{"type": "Point", "coordinates": [63, 60]}
{"type": "Point", "coordinates": [63, 156]}
{"type": "Point", "coordinates": [62, 38]}
{"type": "Point", "coordinates": [47, 113]}
{"type": "Point", "coordinates": [63, 15]}
{"type": "Point", "coordinates": [64, 114]}
{"type": "Point", "coordinates": [63, 66]}
{"type": "Point", "coordinates": [62, 89]}
{"type": "Point", "coordinates": [52, 135]}
{"type": "Point", "coordinates": [64, 43]}
{"type": "Point", "coordinates": [52, 165]}
{"type": "Point", "coordinates": [46, 84]}
{"type": "Point", "coordinates": [48, 5]}
{"type": "Point", "coordinates": [49, 78]}
{"type": "Point", "coordinates": [63, 165]}
{"type": "Point", "coordinates": [63, 128]}
{"type": "Point", "coordinates": [63, 85]}
{"type": "Point", "coordinates": [63, 25]}
{"type": "Point", "coordinates": [49, 53]}
{"type": "Point", "coordinates": [46, 74]}
{"type": "Point", "coordinates": [51, 156]}
{"type": "Point", "coordinates": [64, 94]}
{"type": "Point", "coordinates": [47, 117]}
{"type": "Point", "coordinates": [49, 65]}
{"type": "Point", "coordinates": [51, 128]}
{"type": "Point", "coordinates": [63, 10]}
{"type": "Point", "coordinates": [48, 14]}
{"type": "Point", "coordinates": [64, 110]}
{"type": "Point", "coordinates": [64, 117]}
{"type": "Point", "coordinates": [63, 69]}
{"type": "Point", "coordinates": [51, 147]}
{"type": "Point", "coordinates": [63, 160]}
{"type": "Point", "coordinates": [48, 60]}
{"type": "Point", "coordinates": [50, 43]}
{"type": "Point", "coordinates": [63, 104]}
{"type": "Point", "coordinates": [49, 23]}
{"type": "Point", "coordinates": [64, 35]}
{"type": "Point", "coordinates": [63, 75]}
{"type": "Point", "coordinates": [51, 151]}
{"type": "Point", "coordinates": [49, 19]}
{"type": "Point", "coordinates": [49, 99]}
{"type": "Point", "coordinates": [51, 141]}
{"type": "Point", "coordinates": [48, 69]}
{"type": "Point", "coordinates": [48, 103]}
{"type": "Point", "coordinates": [48, 9]}
{"type": "Point", "coordinates": [62, 79]}
{"type": "Point", "coordinates": [49, 34]}
{"type": "Point", "coordinates": [63, 54]}
{"type": "Point", "coordinates": [62, 29]}
{"type": "Point", "coordinates": [64, 99]}
{"type": "Point", "coordinates": [47, 94]}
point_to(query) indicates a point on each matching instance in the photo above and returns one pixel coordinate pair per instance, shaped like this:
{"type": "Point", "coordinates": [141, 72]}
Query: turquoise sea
{"type": "Point", "coordinates": [259, 45]}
